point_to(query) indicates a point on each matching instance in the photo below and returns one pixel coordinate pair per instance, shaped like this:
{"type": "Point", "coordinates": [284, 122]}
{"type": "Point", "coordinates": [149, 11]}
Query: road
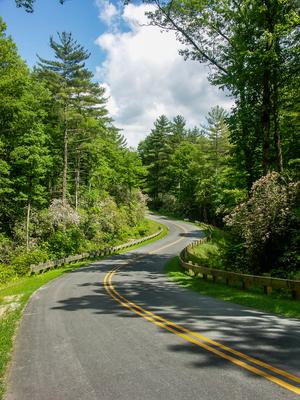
{"type": "Point", "coordinates": [119, 329]}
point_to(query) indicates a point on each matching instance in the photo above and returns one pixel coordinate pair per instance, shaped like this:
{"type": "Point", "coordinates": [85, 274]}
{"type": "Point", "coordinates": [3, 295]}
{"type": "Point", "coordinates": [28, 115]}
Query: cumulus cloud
{"type": "Point", "coordinates": [146, 77]}
{"type": "Point", "coordinates": [108, 12]}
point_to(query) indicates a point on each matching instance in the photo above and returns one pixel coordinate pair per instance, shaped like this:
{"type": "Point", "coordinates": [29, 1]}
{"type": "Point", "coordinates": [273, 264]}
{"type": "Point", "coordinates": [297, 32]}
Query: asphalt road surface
{"type": "Point", "coordinates": [119, 329]}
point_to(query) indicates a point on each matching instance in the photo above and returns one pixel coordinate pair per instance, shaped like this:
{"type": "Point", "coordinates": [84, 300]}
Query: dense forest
{"type": "Point", "coordinates": [242, 168]}
{"type": "Point", "coordinates": [68, 181]}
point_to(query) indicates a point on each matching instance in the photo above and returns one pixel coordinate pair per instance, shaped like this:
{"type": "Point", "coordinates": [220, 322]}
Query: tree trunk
{"type": "Point", "coordinates": [77, 183]}
{"type": "Point", "coordinates": [65, 168]}
{"type": "Point", "coordinates": [277, 138]}
{"type": "Point", "coordinates": [27, 224]}
{"type": "Point", "coordinates": [266, 111]}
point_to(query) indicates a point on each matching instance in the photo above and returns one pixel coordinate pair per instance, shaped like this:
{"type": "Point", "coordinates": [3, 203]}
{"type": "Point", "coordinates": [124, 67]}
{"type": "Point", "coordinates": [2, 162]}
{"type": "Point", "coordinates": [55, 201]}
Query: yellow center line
{"type": "Point", "coordinates": [184, 332]}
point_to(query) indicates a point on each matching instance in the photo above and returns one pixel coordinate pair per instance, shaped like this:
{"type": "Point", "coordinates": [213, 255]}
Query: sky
{"type": "Point", "coordinates": [139, 65]}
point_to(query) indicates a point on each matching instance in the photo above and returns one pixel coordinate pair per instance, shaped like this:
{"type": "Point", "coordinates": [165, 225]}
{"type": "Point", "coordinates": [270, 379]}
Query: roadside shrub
{"type": "Point", "coordinates": [136, 208]}
{"type": "Point", "coordinates": [168, 203]}
{"type": "Point", "coordinates": [61, 244]}
{"type": "Point", "coordinates": [7, 273]}
{"type": "Point", "coordinates": [262, 226]}
{"type": "Point", "coordinates": [6, 249]}
{"type": "Point", "coordinates": [21, 263]}
{"type": "Point", "coordinates": [63, 215]}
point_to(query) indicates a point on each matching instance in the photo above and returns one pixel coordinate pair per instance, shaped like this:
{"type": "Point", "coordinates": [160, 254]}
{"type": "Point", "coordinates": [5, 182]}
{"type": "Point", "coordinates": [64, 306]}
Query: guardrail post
{"type": "Point", "coordinates": [267, 289]}
{"type": "Point", "coordinates": [245, 285]}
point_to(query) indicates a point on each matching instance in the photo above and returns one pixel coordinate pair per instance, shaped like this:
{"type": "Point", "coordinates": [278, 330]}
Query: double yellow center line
{"type": "Point", "coordinates": [234, 356]}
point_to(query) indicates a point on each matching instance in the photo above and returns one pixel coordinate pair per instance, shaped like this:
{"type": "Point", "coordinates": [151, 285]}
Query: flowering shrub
{"type": "Point", "coordinates": [63, 214]}
{"type": "Point", "coordinates": [262, 225]}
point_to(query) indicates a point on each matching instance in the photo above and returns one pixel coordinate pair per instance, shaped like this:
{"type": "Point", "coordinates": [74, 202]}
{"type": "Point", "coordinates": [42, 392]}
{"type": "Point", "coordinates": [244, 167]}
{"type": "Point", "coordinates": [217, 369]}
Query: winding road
{"type": "Point", "coordinates": [119, 329]}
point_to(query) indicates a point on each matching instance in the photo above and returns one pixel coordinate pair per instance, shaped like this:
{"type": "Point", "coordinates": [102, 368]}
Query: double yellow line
{"type": "Point", "coordinates": [201, 340]}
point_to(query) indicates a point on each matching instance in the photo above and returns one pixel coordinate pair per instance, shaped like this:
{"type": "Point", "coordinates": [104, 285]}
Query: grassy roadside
{"type": "Point", "coordinates": [272, 303]}
{"type": "Point", "coordinates": [15, 295]}
{"type": "Point", "coordinates": [209, 254]}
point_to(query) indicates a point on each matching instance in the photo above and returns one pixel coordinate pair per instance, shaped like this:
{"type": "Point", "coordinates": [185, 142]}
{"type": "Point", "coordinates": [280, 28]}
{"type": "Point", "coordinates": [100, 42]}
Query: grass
{"type": "Point", "coordinates": [15, 295]}
{"type": "Point", "coordinates": [163, 233]}
{"type": "Point", "coordinates": [209, 254]}
{"type": "Point", "coordinates": [145, 228]}
{"type": "Point", "coordinates": [273, 303]}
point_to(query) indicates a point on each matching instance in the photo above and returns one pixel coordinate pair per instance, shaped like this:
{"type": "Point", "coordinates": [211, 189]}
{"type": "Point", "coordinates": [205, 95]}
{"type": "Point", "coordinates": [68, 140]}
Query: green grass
{"type": "Point", "coordinates": [145, 228]}
{"type": "Point", "coordinates": [163, 233]}
{"type": "Point", "coordinates": [270, 303]}
{"type": "Point", "coordinates": [15, 294]}
{"type": "Point", "coordinates": [210, 254]}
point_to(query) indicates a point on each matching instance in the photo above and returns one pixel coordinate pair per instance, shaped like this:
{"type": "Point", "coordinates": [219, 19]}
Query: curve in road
{"type": "Point", "coordinates": [75, 342]}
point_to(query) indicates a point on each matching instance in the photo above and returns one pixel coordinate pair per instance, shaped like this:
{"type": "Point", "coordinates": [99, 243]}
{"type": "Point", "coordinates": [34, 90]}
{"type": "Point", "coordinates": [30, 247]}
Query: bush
{"type": "Point", "coordinates": [6, 249]}
{"type": "Point", "coordinates": [62, 244]}
{"type": "Point", "coordinates": [262, 226]}
{"type": "Point", "coordinates": [21, 263]}
{"type": "Point", "coordinates": [7, 273]}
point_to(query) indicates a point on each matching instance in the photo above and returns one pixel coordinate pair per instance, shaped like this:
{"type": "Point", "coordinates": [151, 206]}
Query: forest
{"type": "Point", "coordinates": [68, 182]}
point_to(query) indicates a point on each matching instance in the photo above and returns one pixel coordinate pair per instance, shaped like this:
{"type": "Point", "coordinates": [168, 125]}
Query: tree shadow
{"type": "Point", "coordinates": [264, 336]}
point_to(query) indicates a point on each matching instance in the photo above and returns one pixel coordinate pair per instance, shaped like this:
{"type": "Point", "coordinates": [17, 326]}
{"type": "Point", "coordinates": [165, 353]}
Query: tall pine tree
{"type": "Point", "coordinates": [75, 98]}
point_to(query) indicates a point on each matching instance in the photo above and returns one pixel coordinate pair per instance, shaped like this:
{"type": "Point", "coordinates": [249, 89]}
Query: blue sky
{"type": "Point", "coordinates": [139, 66]}
{"type": "Point", "coordinates": [31, 32]}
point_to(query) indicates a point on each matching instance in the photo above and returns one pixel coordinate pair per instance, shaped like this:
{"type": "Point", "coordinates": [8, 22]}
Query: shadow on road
{"type": "Point", "coordinates": [264, 336]}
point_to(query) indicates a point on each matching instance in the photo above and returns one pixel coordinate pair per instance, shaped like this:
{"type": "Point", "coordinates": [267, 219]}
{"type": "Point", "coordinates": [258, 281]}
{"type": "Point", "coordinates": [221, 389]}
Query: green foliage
{"type": "Point", "coordinates": [6, 248]}
{"type": "Point", "coordinates": [192, 174]}
{"type": "Point", "coordinates": [64, 243]}
{"type": "Point", "coordinates": [7, 273]}
{"type": "Point", "coordinates": [22, 140]}
{"type": "Point", "coordinates": [211, 253]}
{"type": "Point", "coordinates": [252, 49]}
{"type": "Point", "coordinates": [21, 263]}
{"type": "Point", "coordinates": [67, 181]}
{"type": "Point", "coordinates": [155, 152]}
{"type": "Point", "coordinates": [264, 224]}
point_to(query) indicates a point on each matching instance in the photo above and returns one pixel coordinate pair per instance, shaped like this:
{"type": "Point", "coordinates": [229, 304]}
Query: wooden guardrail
{"type": "Point", "coordinates": [37, 268]}
{"type": "Point", "coordinates": [268, 283]}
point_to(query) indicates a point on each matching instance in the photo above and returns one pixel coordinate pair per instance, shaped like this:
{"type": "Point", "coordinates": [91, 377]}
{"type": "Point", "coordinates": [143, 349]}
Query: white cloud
{"type": "Point", "coordinates": [107, 11]}
{"type": "Point", "coordinates": [146, 77]}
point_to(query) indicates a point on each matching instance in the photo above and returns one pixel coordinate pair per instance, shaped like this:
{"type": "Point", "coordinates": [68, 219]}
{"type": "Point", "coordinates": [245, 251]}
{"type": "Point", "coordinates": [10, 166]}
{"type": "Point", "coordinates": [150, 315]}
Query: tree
{"type": "Point", "coordinates": [22, 139]}
{"type": "Point", "coordinates": [251, 49]}
{"type": "Point", "coordinates": [217, 132]}
{"type": "Point", "coordinates": [155, 153]}
{"type": "Point", "coordinates": [30, 161]}
{"type": "Point", "coordinates": [75, 96]}
{"type": "Point", "coordinates": [263, 224]}
{"type": "Point", "coordinates": [178, 131]}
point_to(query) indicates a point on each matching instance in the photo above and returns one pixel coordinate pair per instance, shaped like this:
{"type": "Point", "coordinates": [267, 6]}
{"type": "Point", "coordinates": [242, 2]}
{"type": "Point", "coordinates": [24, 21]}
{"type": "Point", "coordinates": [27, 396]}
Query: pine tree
{"type": "Point", "coordinates": [155, 151]}
{"type": "Point", "coordinates": [217, 132]}
{"type": "Point", "coordinates": [75, 97]}
{"type": "Point", "coordinates": [178, 131]}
